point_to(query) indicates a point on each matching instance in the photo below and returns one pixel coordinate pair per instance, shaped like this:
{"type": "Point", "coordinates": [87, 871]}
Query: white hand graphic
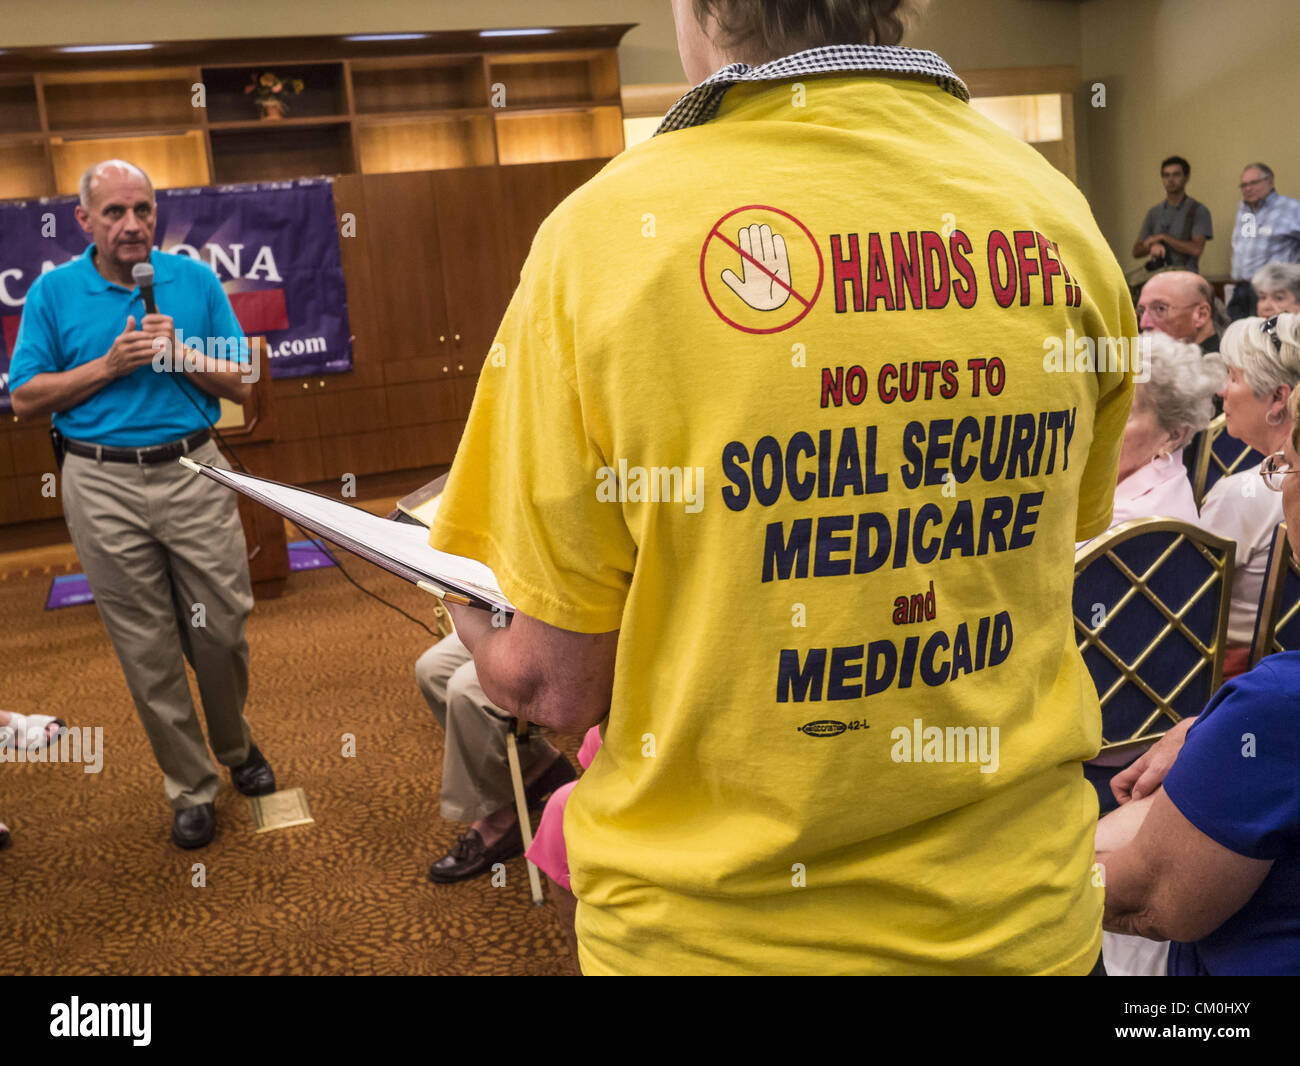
{"type": "Point", "coordinates": [759, 290]}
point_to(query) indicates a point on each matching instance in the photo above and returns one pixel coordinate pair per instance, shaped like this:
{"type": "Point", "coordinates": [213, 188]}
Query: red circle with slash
{"type": "Point", "coordinates": [716, 234]}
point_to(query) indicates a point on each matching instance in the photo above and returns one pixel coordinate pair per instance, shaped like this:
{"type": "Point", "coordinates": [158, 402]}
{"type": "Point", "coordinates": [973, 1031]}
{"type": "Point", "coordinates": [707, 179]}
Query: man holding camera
{"type": "Point", "coordinates": [1176, 229]}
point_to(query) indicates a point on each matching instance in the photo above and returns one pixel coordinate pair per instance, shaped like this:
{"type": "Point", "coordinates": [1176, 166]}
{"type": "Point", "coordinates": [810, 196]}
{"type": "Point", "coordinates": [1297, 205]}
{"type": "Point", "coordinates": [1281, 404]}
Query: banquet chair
{"type": "Point", "coordinates": [1218, 455]}
{"type": "Point", "coordinates": [1277, 626]}
{"type": "Point", "coordinates": [1150, 606]}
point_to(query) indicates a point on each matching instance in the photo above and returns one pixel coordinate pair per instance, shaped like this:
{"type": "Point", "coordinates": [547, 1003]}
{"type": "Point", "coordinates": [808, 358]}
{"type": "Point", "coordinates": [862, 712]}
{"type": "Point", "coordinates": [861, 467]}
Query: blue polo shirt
{"type": "Point", "coordinates": [73, 315]}
{"type": "Point", "coordinates": [1274, 237]}
{"type": "Point", "coordinates": [1237, 780]}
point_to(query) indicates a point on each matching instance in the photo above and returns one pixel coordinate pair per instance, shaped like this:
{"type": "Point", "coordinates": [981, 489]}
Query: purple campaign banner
{"type": "Point", "coordinates": [306, 555]}
{"type": "Point", "coordinates": [68, 590]}
{"type": "Point", "coordinates": [274, 245]}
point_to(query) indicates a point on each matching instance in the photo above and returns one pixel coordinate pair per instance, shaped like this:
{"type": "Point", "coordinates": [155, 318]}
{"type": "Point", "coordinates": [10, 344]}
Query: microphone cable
{"type": "Point", "coordinates": [319, 544]}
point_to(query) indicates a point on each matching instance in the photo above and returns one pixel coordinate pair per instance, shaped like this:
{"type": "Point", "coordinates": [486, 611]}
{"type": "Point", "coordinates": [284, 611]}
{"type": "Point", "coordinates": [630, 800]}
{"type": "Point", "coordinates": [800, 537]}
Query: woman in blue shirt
{"type": "Point", "coordinates": [1214, 863]}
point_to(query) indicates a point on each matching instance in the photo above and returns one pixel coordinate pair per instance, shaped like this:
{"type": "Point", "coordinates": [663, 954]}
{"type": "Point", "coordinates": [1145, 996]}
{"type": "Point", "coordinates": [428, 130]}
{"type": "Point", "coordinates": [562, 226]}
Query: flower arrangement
{"type": "Point", "coordinates": [270, 90]}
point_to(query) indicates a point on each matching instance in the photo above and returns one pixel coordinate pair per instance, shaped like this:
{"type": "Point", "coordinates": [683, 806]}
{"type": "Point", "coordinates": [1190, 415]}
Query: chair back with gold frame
{"type": "Point", "coordinates": [1219, 455]}
{"type": "Point", "coordinates": [1277, 627]}
{"type": "Point", "coordinates": [1151, 600]}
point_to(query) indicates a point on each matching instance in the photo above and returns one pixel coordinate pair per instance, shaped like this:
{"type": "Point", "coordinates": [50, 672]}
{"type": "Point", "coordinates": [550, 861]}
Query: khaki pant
{"type": "Point", "coordinates": [475, 768]}
{"type": "Point", "coordinates": [164, 552]}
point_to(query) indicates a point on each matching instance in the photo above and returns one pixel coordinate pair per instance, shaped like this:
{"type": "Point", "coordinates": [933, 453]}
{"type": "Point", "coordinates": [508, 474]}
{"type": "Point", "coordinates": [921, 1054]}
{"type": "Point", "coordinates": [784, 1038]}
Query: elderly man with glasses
{"type": "Point", "coordinates": [1180, 304]}
{"type": "Point", "coordinates": [1266, 230]}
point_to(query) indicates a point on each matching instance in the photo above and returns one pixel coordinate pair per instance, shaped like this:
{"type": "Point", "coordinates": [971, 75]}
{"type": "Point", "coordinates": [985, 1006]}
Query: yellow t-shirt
{"type": "Point", "coordinates": [836, 569]}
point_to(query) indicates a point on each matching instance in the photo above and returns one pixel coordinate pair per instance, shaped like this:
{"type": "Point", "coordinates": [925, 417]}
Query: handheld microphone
{"type": "Point", "coordinates": [142, 275]}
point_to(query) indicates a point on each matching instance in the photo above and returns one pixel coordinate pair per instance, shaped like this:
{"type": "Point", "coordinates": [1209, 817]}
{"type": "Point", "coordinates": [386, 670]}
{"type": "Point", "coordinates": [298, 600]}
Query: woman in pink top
{"type": "Point", "coordinates": [548, 852]}
{"type": "Point", "coordinates": [1173, 404]}
{"type": "Point", "coordinates": [1169, 408]}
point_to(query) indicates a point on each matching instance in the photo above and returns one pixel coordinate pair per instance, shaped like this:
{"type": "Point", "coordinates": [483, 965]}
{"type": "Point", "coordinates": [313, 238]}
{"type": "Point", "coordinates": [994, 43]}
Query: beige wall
{"type": "Point", "coordinates": [1184, 76]}
{"type": "Point", "coordinates": [649, 53]}
{"type": "Point", "coordinates": [1001, 33]}
{"type": "Point", "coordinates": [1192, 78]}
{"type": "Point", "coordinates": [988, 33]}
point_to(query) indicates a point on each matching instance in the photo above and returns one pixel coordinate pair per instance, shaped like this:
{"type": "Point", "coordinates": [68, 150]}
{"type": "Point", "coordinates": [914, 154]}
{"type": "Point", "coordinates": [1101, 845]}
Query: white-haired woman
{"type": "Point", "coordinates": [1174, 404]}
{"type": "Point", "coordinates": [1277, 289]}
{"type": "Point", "coordinates": [1211, 860]}
{"type": "Point", "coordinates": [1263, 357]}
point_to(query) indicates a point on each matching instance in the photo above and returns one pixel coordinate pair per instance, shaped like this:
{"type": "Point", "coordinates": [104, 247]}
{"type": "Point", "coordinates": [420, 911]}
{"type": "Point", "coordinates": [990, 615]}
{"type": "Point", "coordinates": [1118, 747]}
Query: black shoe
{"type": "Point", "coordinates": [469, 857]}
{"type": "Point", "coordinates": [254, 776]}
{"type": "Point", "coordinates": [194, 827]}
{"type": "Point", "coordinates": [560, 772]}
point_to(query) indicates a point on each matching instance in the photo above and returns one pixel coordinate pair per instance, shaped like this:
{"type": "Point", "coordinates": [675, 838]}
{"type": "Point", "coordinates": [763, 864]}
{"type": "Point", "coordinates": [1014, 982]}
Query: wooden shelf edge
{"type": "Point", "coordinates": [112, 133]}
{"type": "Point", "coordinates": [294, 51]}
{"type": "Point", "coordinates": [273, 124]}
{"type": "Point", "coordinates": [377, 118]}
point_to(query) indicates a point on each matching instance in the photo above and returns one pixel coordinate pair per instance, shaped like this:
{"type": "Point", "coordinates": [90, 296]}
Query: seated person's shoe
{"type": "Point", "coordinates": [469, 857]}
{"type": "Point", "coordinates": [254, 776]}
{"type": "Point", "coordinates": [194, 827]}
{"type": "Point", "coordinates": [560, 772]}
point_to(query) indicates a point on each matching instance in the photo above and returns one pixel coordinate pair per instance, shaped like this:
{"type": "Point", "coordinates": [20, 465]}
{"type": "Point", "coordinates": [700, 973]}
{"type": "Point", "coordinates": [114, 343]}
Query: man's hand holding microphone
{"type": "Point", "coordinates": [136, 347]}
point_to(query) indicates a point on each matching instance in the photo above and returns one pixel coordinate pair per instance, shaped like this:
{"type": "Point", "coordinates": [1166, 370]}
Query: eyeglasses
{"type": "Point", "coordinates": [1274, 469]}
{"type": "Point", "coordinates": [1159, 309]}
{"type": "Point", "coordinates": [1248, 184]}
{"type": "Point", "coordinates": [1269, 328]}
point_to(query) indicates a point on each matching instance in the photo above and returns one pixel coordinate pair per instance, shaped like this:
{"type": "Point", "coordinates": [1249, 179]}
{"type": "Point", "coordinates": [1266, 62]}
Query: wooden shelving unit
{"type": "Point", "coordinates": [537, 136]}
{"type": "Point", "coordinates": [444, 101]}
{"type": "Point", "coordinates": [448, 151]}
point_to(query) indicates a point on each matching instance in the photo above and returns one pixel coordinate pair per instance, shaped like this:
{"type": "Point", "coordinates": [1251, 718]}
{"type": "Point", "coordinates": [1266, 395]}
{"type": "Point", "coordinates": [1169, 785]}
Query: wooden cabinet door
{"type": "Point", "coordinates": [403, 244]}
{"type": "Point", "coordinates": [472, 235]}
{"type": "Point", "coordinates": [487, 219]}
{"type": "Point", "coordinates": [530, 193]}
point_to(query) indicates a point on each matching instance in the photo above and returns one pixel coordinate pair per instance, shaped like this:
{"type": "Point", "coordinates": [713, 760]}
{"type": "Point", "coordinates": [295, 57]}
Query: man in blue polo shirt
{"type": "Point", "coordinates": [163, 550]}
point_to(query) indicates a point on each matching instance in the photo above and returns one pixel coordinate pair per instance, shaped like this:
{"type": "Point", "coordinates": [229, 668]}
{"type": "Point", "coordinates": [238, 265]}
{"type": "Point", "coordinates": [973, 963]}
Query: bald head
{"type": "Point", "coordinates": [1187, 285]}
{"type": "Point", "coordinates": [113, 171]}
{"type": "Point", "coordinates": [118, 212]}
{"type": "Point", "coordinates": [1179, 303]}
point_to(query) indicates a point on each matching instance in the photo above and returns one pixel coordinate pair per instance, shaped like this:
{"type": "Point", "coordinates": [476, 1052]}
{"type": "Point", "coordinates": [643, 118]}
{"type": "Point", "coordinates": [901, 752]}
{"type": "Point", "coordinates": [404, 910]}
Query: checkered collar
{"type": "Point", "coordinates": [701, 103]}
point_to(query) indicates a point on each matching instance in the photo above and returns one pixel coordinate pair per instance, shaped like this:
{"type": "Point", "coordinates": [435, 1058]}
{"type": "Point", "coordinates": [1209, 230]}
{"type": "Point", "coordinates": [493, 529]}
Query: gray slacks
{"type": "Point", "coordinates": [475, 767]}
{"type": "Point", "coordinates": [164, 552]}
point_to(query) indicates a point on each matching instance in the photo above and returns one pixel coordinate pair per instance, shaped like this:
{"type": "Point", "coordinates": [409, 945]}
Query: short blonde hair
{"type": "Point", "coordinates": [1293, 405]}
{"type": "Point", "coordinates": [1264, 364]}
{"type": "Point", "coordinates": [758, 31]}
{"type": "Point", "coordinates": [1181, 385]}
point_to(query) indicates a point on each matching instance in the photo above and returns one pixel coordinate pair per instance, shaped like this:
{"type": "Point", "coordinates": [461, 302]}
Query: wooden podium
{"type": "Point", "coordinates": [249, 431]}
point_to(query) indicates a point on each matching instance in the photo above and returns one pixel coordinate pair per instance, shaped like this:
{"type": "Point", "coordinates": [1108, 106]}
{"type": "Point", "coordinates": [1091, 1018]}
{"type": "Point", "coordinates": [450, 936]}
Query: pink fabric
{"type": "Point", "coordinates": [1160, 489]}
{"type": "Point", "coordinates": [590, 745]}
{"type": "Point", "coordinates": [1236, 660]}
{"type": "Point", "coordinates": [548, 852]}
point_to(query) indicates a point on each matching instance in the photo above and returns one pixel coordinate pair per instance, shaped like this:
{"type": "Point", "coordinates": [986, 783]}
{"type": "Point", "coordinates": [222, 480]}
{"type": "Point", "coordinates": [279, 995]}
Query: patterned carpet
{"type": "Point", "coordinates": [93, 885]}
